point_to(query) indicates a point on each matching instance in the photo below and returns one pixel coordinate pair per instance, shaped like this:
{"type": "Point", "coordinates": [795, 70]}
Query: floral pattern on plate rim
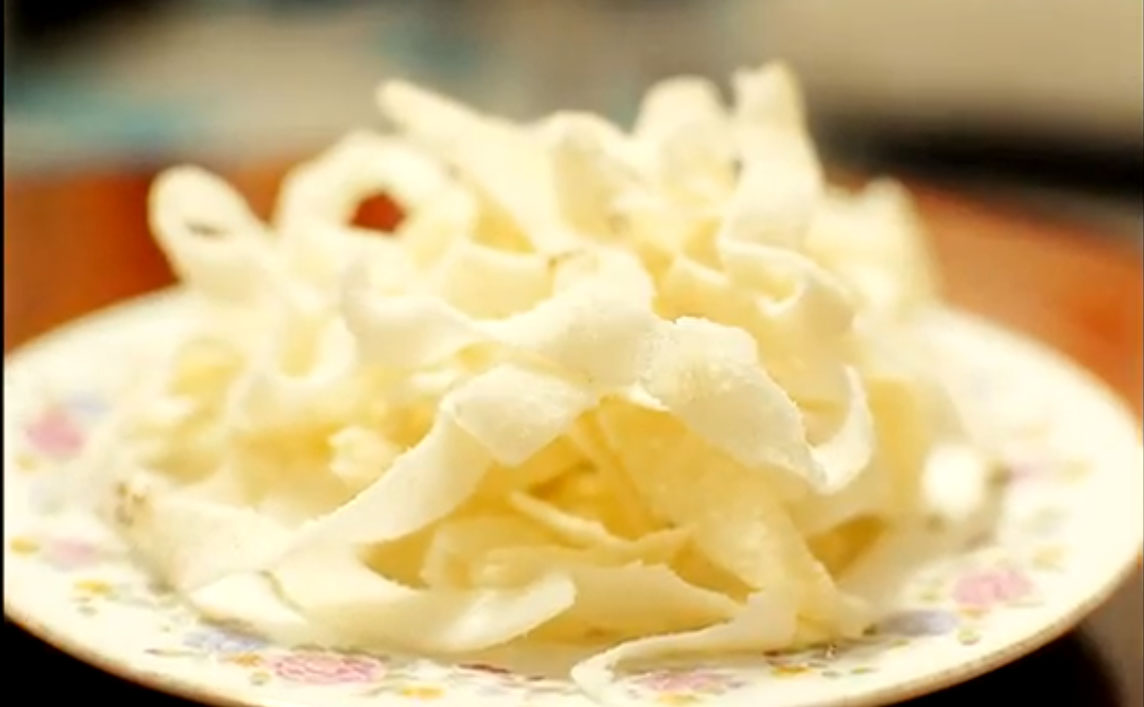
{"type": "Point", "coordinates": [955, 605]}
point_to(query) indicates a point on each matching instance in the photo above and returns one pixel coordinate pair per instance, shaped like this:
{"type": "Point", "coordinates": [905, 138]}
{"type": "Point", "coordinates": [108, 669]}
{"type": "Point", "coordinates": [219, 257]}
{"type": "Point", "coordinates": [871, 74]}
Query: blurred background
{"type": "Point", "coordinates": [1038, 101]}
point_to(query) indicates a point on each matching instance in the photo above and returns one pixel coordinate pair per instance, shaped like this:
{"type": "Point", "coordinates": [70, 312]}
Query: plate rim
{"type": "Point", "coordinates": [923, 685]}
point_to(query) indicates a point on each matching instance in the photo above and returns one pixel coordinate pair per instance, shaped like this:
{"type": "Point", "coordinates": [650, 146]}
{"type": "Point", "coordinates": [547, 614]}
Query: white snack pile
{"type": "Point", "coordinates": [658, 389]}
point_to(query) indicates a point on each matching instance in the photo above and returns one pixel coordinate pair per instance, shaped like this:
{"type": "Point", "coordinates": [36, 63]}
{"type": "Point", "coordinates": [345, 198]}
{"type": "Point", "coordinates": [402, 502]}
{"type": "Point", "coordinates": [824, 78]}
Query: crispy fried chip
{"type": "Point", "coordinates": [768, 622]}
{"type": "Point", "coordinates": [366, 609]}
{"type": "Point", "coordinates": [661, 388]}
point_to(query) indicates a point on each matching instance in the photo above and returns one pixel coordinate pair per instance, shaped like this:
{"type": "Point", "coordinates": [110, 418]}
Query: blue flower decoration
{"type": "Point", "coordinates": [223, 642]}
{"type": "Point", "coordinates": [87, 405]}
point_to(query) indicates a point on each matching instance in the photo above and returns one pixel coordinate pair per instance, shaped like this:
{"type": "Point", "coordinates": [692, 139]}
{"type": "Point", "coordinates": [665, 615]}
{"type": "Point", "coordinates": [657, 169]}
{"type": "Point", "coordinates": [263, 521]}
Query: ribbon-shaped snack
{"type": "Point", "coordinates": [658, 387]}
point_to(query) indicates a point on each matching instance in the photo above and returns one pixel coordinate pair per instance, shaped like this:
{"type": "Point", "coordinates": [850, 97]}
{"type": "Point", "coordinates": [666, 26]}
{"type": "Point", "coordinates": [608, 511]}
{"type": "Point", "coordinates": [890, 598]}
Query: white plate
{"type": "Point", "coordinates": [1068, 530]}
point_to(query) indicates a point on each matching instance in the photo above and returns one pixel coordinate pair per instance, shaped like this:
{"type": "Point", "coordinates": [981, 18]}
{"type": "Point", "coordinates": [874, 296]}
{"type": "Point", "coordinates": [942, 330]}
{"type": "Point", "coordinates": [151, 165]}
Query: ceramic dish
{"type": "Point", "coordinates": [1067, 529]}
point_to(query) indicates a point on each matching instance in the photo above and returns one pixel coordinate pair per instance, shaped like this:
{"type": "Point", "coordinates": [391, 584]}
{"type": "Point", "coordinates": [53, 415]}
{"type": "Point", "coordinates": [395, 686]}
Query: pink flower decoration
{"type": "Point", "coordinates": [55, 434]}
{"type": "Point", "coordinates": [325, 668]}
{"type": "Point", "coordinates": [685, 681]}
{"type": "Point", "coordinates": [986, 588]}
{"type": "Point", "coordinates": [67, 554]}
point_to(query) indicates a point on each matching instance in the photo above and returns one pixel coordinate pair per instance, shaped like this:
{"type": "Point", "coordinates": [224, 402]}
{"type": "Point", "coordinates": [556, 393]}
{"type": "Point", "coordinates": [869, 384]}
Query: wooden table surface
{"type": "Point", "coordinates": [74, 244]}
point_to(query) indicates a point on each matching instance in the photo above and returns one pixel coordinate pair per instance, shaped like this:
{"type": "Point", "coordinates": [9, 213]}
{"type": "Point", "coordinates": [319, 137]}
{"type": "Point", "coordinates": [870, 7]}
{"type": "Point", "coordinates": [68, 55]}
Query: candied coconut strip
{"type": "Point", "coordinates": [329, 188]}
{"type": "Point", "coordinates": [332, 587]}
{"type": "Point", "coordinates": [767, 622]}
{"type": "Point", "coordinates": [193, 542]}
{"type": "Point", "coordinates": [505, 162]}
{"type": "Point", "coordinates": [482, 421]}
{"type": "Point", "coordinates": [629, 599]}
{"type": "Point", "coordinates": [210, 236]}
{"type": "Point", "coordinates": [424, 484]}
{"type": "Point", "coordinates": [736, 517]}
{"type": "Point", "coordinates": [658, 546]}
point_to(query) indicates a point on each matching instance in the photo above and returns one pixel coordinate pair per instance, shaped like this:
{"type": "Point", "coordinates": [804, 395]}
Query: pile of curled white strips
{"type": "Point", "coordinates": [657, 390]}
